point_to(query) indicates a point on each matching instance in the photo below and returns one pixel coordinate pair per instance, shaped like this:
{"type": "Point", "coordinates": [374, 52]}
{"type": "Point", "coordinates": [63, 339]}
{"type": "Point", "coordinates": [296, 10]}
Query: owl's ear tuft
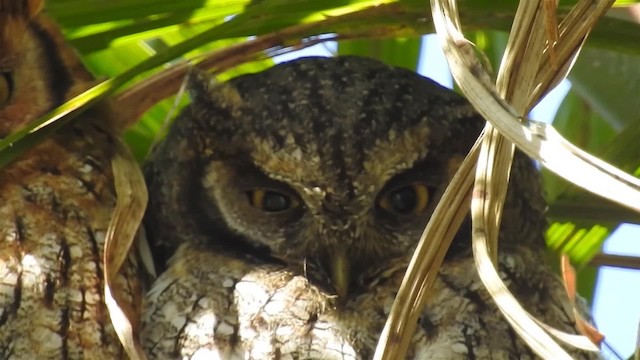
{"type": "Point", "coordinates": [203, 88]}
{"type": "Point", "coordinates": [199, 82]}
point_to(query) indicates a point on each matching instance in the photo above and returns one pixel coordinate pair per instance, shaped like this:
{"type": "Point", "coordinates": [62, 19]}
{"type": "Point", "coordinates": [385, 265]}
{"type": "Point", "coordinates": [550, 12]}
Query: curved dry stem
{"type": "Point", "coordinates": [127, 216]}
{"type": "Point", "coordinates": [459, 51]}
{"type": "Point", "coordinates": [522, 81]}
{"type": "Point", "coordinates": [427, 258]}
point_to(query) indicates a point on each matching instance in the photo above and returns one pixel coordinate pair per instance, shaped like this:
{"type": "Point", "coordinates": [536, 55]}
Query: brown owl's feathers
{"type": "Point", "coordinates": [56, 201]}
{"type": "Point", "coordinates": [289, 202]}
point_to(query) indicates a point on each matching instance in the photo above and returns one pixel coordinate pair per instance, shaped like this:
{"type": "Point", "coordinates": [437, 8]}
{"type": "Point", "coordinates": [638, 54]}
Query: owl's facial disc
{"type": "Point", "coordinates": [345, 233]}
{"type": "Point", "coordinates": [338, 162]}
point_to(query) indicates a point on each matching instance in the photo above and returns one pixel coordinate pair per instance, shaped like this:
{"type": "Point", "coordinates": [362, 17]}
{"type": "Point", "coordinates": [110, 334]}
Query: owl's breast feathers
{"type": "Point", "coordinates": [218, 306]}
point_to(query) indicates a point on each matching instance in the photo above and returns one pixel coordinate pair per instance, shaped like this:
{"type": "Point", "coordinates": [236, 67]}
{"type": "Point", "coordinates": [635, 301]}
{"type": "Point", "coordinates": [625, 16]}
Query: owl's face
{"type": "Point", "coordinates": [337, 161]}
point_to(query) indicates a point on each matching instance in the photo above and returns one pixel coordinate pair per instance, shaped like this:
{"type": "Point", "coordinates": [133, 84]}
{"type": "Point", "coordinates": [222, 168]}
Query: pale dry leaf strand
{"type": "Point", "coordinates": [551, 28]}
{"type": "Point", "coordinates": [539, 141]}
{"type": "Point", "coordinates": [426, 260]}
{"type": "Point", "coordinates": [581, 168]}
{"type": "Point", "coordinates": [521, 320]}
{"type": "Point", "coordinates": [573, 31]}
{"type": "Point", "coordinates": [522, 323]}
{"type": "Point", "coordinates": [523, 55]}
{"type": "Point", "coordinates": [515, 79]}
{"type": "Point", "coordinates": [494, 167]}
{"type": "Point", "coordinates": [401, 323]}
{"type": "Point", "coordinates": [127, 216]}
{"type": "Point", "coordinates": [516, 45]}
{"type": "Point", "coordinates": [482, 224]}
{"type": "Point", "coordinates": [528, 326]}
{"type": "Point", "coordinates": [583, 342]}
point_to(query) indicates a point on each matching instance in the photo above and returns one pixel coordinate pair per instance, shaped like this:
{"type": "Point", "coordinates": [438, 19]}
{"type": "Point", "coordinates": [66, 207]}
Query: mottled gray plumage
{"type": "Point", "coordinates": [340, 139]}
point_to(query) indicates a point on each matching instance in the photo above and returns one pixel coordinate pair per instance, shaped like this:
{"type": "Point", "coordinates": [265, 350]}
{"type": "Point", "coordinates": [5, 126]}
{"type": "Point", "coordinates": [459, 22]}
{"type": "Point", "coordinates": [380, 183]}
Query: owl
{"type": "Point", "coordinates": [56, 201]}
{"type": "Point", "coordinates": [285, 205]}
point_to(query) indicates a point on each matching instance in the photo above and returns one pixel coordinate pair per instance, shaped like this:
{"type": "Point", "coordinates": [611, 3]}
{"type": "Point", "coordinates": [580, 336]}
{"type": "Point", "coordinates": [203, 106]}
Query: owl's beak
{"type": "Point", "coordinates": [340, 269]}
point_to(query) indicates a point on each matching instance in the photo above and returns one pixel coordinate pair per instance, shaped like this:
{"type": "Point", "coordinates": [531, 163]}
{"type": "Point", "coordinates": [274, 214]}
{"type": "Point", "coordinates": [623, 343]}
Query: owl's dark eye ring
{"type": "Point", "coordinates": [271, 200]}
{"type": "Point", "coordinates": [404, 200]}
{"type": "Point", "coordinates": [6, 88]}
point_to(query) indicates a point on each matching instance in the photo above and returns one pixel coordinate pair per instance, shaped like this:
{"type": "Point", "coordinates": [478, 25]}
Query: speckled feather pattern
{"type": "Point", "coordinates": [252, 310]}
{"type": "Point", "coordinates": [56, 201]}
{"type": "Point", "coordinates": [335, 132]}
{"type": "Point", "coordinates": [55, 205]}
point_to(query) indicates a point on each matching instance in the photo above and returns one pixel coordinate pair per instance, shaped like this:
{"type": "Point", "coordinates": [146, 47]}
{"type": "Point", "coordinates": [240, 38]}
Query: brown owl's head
{"type": "Point", "coordinates": [337, 161]}
{"type": "Point", "coordinates": [38, 69]}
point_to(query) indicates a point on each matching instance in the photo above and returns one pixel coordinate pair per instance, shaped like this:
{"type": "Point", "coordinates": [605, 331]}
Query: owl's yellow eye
{"type": "Point", "coordinates": [5, 88]}
{"type": "Point", "coordinates": [408, 199]}
{"type": "Point", "coordinates": [271, 201]}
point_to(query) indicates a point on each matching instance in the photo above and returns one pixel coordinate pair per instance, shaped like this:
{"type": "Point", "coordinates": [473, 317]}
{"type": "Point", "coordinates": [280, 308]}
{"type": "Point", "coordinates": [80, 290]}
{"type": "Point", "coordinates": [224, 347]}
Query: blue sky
{"type": "Point", "coordinates": [615, 306]}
